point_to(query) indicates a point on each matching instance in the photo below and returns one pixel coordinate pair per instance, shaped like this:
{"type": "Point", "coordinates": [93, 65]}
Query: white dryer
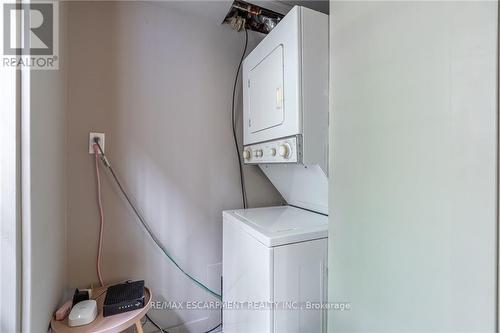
{"type": "Point", "coordinates": [285, 108]}
{"type": "Point", "coordinates": [274, 270]}
{"type": "Point", "coordinates": [274, 259]}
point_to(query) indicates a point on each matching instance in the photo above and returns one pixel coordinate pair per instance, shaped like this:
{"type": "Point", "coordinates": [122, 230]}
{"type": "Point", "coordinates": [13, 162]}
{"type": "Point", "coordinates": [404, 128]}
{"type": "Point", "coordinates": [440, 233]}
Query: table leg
{"type": "Point", "coordinates": [138, 326]}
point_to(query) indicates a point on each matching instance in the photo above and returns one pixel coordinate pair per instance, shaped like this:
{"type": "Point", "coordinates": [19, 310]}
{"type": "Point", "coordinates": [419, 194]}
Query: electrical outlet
{"type": "Point", "coordinates": [102, 141]}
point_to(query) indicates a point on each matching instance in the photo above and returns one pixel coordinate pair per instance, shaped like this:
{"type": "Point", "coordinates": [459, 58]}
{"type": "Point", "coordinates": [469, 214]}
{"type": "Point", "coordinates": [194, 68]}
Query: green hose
{"type": "Point", "coordinates": [148, 230]}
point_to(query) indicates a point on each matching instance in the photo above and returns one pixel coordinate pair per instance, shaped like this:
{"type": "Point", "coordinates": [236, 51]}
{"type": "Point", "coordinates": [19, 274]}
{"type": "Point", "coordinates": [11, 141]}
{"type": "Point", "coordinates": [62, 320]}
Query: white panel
{"type": "Point", "coordinates": [246, 278]}
{"type": "Point", "coordinates": [300, 185]}
{"type": "Point", "coordinates": [413, 183]}
{"type": "Point", "coordinates": [265, 89]}
{"type": "Point", "coordinates": [314, 39]}
{"type": "Point", "coordinates": [300, 277]}
{"type": "Point", "coordinates": [43, 188]}
{"type": "Point", "coordinates": [286, 150]}
{"type": "Point", "coordinates": [281, 225]}
{"type": "Point", "coordinates": [10, 191]}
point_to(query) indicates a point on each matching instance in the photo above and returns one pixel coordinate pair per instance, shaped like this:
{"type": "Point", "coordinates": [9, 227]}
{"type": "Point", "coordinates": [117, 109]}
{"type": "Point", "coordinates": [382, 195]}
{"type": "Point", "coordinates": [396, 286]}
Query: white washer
{"type": "Point", "coordinates": [274, 254]}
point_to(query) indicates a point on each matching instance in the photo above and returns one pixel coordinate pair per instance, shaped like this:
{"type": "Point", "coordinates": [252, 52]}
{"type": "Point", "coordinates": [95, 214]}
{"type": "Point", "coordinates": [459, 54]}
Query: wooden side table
{"type": "Point", "coordinates": [112, 324]}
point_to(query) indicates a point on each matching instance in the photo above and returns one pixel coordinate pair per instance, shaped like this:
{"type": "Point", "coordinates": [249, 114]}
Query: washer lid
{"type": "Point", "coordinates": [274, 226]}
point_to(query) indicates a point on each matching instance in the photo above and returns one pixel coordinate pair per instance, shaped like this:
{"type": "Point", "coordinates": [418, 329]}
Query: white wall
{"type": "Point", "coordinates": [44, 190]}
{"type": "Point", "coordinates": [413, 155]}
{"type": "Point", "coordinates": [157, 80]}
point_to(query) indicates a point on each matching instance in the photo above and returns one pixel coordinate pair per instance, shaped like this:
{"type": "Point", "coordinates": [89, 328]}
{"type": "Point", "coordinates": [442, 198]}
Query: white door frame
{"type": "Point", "coordinates": [10, 196]}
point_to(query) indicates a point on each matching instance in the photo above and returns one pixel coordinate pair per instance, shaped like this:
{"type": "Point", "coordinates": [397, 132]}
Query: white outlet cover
{"type": "Point", "coordinates": [102, 141]}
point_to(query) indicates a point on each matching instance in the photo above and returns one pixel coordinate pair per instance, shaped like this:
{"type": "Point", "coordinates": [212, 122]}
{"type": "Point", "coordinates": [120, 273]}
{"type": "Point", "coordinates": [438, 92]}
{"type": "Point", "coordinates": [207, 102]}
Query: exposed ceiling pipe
{"type": "Point", "coordinates": [243, 15]}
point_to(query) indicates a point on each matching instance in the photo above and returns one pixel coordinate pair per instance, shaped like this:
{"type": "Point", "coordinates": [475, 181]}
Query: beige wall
{"type": "Point", "coordinates": [158, 82]}
{"type": "Point", "coordinates": [414, 166]}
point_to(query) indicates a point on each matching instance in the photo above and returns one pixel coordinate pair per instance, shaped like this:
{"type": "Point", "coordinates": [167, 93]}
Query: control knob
{"type": "Point", "coordinates": [258, 153]}
{"type": "Point", "coordinates": [246, 154]}
{"type": "Point", "coordinates": [284, 150]}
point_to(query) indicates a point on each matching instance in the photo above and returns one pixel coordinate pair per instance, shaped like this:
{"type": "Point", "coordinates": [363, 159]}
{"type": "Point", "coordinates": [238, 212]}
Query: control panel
{"type": "Point", "coordinates": [287, 150]}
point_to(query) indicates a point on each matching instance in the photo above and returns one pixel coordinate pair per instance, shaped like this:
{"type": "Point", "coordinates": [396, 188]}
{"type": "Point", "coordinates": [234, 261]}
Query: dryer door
{"type": "Point", "coordinates": [265, 89]}
{"type": "Point", "coordinates": [271, 84]}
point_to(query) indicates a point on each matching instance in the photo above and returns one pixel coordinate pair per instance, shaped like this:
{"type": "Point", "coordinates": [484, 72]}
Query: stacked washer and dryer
{"type": "Point", "coordinates": [275, 258]}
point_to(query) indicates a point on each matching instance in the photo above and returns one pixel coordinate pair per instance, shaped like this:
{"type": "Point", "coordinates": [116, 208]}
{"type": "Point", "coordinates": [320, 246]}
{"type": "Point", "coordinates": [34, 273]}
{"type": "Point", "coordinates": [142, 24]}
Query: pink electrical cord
{"type": "Point", "coordinates": [101, 213]}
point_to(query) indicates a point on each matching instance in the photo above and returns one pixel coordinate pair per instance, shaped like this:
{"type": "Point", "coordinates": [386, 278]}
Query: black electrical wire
{"type": "Point", "coordinates": [148, 229]}
{"type": "Point", "coordinates": [155, 324]}
{"type": "Point", "coordinates": [213, 329]}
{"type": "Point", "coordinates": [242, 178]}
